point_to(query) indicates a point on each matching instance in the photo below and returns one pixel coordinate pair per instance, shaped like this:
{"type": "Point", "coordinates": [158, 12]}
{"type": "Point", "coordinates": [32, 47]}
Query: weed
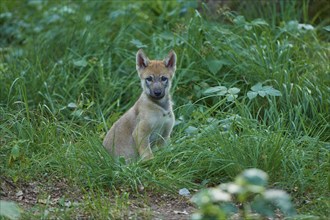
{"type": "Point", "coordinates": [251, 91]}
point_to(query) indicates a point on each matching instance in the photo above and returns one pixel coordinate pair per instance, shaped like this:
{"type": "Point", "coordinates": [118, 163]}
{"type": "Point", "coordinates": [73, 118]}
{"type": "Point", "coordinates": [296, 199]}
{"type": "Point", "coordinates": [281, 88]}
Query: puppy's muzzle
{"type": "Point", "coordinates": [157, 94]}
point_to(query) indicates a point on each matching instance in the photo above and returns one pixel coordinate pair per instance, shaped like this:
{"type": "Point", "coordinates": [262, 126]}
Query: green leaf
{"type": "Point", "coordinates": [291, 26]}
{"type": "Point", "coordinates": [254, 177]}
{"type": "Point", "coordinates": [232, 188]}
{"type": "Point", "coordinates": [217, 195]}
{"type": "Point", "coordinates": [251, 94]}
{"type": "Point", "coordinates": [197, 216]}
{"type": "Point", "coordinates": [211, 195]}
{"type": "Point", "coordinates": [239, 20]}
{"type": "Point", "coordinates": [229, 208]}
{"type": "Point", "coordinates": [72, 105]}
{"type": "Point", "coordinates": [9, 210]}
{"type": "Point", "coordinates": [248, 27]}
{"type": "Point", "coordinates": [231, 98]}
{"type": "Point", "coordinates": [280, 199]}
{"type": "Point", "coordinates": [257, 87]}
{"type": "Point", "coordinates": [233, 90]}
{"type": "Point", "coordinates": [215, 65]}
{"type": "Point", "coordinates": [215, 89]}
{"type": "Point", "coordinates": [259, 21]}
{"type": "Point", "coordinates": [222, 93]}
{"type": "Point", "coordinates": [327, 28]}
{"type": "Point", "coordinates": [61, 201]}
{"type": "Point", "coordinates": [122, 160]}
{"type": "Point", "coordinates": [201, 198]}
{"type": "Point", "coordinates": [271, 91]}
{"type": "Point", "coordinates": [262, 93]}
{"type": "Point", "coordinates": [15, 152]}
{"type": "Point", "coordinates": [80, 63]}
{"type": "Point", "coordinates": [261, 206]}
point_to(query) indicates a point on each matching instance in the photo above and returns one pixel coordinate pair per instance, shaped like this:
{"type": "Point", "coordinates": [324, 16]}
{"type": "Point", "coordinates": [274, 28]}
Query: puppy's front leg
{"type": "Point", "coordinates": [165, 135]}
{"type": "Point", "coordinates": [141, 136]}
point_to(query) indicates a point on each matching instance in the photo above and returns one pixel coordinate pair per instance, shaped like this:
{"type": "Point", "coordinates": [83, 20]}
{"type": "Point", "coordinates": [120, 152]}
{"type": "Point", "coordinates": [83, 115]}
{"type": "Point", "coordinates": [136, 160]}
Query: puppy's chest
{"type": "Point", "coordinates": [160, 119]}
{"type": "Point", "coordinates": [159, 123]}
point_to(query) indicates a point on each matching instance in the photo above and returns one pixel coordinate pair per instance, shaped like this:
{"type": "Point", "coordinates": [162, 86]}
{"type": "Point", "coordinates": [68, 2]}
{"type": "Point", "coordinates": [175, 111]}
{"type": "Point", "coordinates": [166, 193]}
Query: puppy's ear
{"type": "Point", "coordinates": [142, 60]}
{"type": "Point", "coordinates": [170, 60]}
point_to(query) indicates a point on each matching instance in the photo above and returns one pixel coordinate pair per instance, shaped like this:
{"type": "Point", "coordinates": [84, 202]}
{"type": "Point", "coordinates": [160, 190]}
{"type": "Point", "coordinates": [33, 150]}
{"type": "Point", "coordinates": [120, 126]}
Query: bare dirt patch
{"type": "Point", "coordinates": [59, 193]}
{"type": "Point", "coordinates": [167, 206]}
{"type": "Point", "coordinates": [31, 193]}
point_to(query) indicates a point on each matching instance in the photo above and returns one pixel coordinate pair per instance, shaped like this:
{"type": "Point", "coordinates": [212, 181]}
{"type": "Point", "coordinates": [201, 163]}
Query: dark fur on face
{"type": "Point", "coordinates": [157, 86]}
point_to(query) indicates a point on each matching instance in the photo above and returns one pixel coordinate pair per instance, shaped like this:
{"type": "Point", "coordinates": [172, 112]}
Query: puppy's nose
{"type": "Point", "coordinates": [157, 92]}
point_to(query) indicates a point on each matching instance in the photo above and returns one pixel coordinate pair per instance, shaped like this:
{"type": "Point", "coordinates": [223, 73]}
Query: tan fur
{"type": "Point", "coordinates": [150, 121]}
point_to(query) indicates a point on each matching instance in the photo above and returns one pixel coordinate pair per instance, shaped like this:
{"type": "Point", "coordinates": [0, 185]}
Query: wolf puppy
{"type": "Point", "coordinates": [150, 121]}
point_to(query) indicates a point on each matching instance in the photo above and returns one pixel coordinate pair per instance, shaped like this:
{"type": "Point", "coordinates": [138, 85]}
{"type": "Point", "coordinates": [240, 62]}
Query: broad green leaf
{"type": "Point", "coordinates": [15, 152]}
{"type": "Point", "coordinates": [257, 87]}
{"type": "Point", "coordinates": [215, 89]}
{"type": "Point", "coordinates": [229, 208]}
{"type": "Point", "coordinates": [233, 90]}
{"type": "Point", "coordinates": [265, 88]}
{"type": "Point", "coordinates": [80, 63]}
{"type": "Point", "coordinates": [202, 197]}
{"type": "Point", "coordinates": [251, 94]}
{"type": "Point", "coordinates": [291, 26]}
{"type": "Point", "coordinates": [280, 199]}
{"type": "Point", "coordinates": [239, 20]}
{"type": "Point", "coordinates": [305, 27]}
{"type": "Point", "coordinates": [262, 93]}
{"type": "Point", "coordinates": [211, 195]}
{"type": "Point", "coordinates": [231, 98]}
{"type": "Point", "coordinates": [248, 27]}
{"type": "Point", "coordinates": [327, 28]}
{"type": "Point", "coordinates": [222, 93]}
{"type": "Point", "coordinates": [253, 177]}
{"type": "Point", "coordinates": [214, 65]}
{"type": "Point", "coordinates": [232, 188]}
{"type": "Point", "coordinates": [9, 210]}
{"type": "Point", "coordinates": [72, 105]}
{"type": "Point", "coordinates": [261, 206]}
{"type": "Point", "coordinates": [197, 216]}
{"type": "Point", "coordinates": [217, 195]}
{"type": "Point", "coordinates": [271, 91]}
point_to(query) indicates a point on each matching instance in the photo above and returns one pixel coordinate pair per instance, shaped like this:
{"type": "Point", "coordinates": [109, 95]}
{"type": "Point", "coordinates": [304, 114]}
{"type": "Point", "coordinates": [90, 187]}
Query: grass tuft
{"type": "Point", "coordinates": [67, 73]}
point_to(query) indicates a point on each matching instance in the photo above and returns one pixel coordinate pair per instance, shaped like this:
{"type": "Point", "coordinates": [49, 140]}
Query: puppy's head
{"type": "Point", "coordinates": [156, 75]}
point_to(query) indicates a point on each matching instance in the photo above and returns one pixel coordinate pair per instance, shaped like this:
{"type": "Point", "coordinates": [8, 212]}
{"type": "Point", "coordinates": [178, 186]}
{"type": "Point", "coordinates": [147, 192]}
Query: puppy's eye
{"type": "Point", "coordinates": [149, 79]}
{"type": "Point", "coordinates": [164, 78]}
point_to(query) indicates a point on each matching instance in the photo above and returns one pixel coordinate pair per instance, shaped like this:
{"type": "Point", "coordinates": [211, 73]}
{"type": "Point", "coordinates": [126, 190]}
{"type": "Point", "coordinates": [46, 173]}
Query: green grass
{"type": "Point", "coordinates": [57, 54]}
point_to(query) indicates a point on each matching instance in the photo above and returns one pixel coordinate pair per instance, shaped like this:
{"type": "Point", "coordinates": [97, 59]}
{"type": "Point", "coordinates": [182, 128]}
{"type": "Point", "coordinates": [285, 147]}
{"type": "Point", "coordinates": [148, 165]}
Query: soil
{"type": "Point", "coordinates": [31, 194]}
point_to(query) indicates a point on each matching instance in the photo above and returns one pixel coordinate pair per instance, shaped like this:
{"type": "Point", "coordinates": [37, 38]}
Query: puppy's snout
{"type": "Point", "coordinates": [158, 92]}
